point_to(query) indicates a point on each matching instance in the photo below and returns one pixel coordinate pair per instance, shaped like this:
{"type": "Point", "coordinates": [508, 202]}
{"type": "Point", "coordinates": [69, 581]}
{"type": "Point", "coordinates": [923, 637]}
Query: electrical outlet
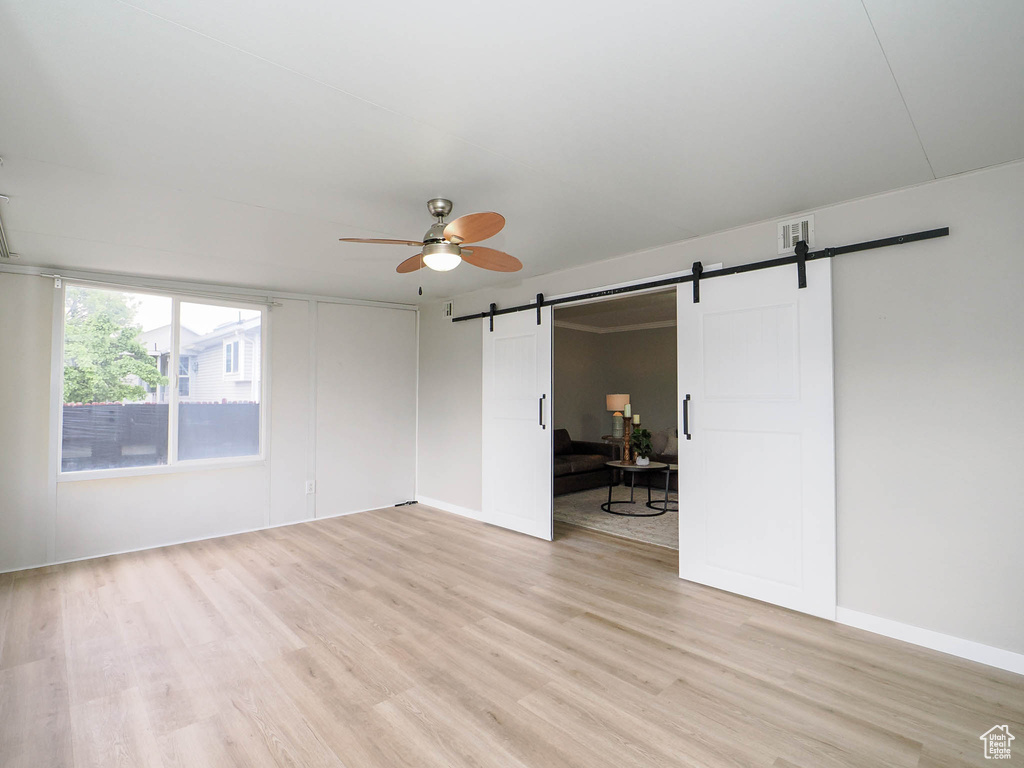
{"type": "Point", "coordinates": [310, 487]}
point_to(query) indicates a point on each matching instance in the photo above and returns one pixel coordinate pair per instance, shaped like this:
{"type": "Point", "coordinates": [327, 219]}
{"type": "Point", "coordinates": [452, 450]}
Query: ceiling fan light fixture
{"type": "Point", "coordinates": [441, 257]}
{"type": "Point", "coordinates": [446, 245]}
{"type": "Point", "coordinates": [442, 262]}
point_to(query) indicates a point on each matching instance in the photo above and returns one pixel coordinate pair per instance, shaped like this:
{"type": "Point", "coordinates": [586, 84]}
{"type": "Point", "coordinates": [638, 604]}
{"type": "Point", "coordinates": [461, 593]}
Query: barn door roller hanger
{"type": "Point", "coordinates": [697, 273]}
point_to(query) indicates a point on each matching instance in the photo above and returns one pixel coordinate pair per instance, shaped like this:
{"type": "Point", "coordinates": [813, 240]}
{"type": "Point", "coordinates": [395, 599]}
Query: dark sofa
{"type": "Point", "coordinates": [579, 465]}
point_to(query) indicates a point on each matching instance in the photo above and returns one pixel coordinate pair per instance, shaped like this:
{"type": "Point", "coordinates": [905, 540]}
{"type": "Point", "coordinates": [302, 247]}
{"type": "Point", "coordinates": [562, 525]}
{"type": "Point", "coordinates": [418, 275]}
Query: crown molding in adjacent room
{"type": "Point", "coordinates": [615, 328]}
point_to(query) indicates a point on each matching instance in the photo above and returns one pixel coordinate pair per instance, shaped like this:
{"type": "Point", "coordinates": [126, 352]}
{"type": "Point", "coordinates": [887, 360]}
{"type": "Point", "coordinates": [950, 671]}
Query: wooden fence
{"type": "Point", "coordinates": [108, 435]}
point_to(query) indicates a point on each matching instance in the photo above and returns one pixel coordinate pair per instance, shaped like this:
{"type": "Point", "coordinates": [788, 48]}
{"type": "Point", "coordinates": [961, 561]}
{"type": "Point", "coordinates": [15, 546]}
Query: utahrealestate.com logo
{"type": "Point", "coordinates": [997, 742]}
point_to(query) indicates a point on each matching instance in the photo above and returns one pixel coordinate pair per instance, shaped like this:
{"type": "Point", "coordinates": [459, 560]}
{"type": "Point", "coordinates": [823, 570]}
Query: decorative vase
{"type": "Point", "coordinates": [643, 461]}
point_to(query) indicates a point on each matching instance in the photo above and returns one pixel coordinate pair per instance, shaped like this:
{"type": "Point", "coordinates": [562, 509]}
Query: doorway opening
{"type": "Point", "coordinates": [607, 354]}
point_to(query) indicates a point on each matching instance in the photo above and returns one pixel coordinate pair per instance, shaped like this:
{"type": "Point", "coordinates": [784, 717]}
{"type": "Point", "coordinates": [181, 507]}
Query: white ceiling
{"type": "Point", "coordinates": [232, 141]}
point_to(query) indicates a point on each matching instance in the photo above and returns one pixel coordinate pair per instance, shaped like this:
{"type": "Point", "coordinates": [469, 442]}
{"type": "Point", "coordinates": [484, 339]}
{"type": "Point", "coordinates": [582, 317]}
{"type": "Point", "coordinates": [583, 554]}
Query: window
{"type": "Point", "coordinates": [230, 357]}
{"type": "Point", "coordinates": [184, 379]}
{"type": "Point", "coordinates": [122, 408]}
{"type": "Point", "coordinates": [234, 359]}
{"type": "Point", "coordinates": [222, 415]}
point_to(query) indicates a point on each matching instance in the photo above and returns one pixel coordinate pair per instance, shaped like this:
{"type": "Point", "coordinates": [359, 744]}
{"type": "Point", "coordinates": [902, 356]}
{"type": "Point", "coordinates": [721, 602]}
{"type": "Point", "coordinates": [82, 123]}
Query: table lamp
{"type": "Point", "coordinates": [616, 403]}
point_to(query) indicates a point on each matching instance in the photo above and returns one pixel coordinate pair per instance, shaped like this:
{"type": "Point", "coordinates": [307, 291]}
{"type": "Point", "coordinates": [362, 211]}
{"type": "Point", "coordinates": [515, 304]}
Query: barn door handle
{"type": "Point", "coordinates": [540, 408]}
{"type": "Point", "coordinates": [686, 416]}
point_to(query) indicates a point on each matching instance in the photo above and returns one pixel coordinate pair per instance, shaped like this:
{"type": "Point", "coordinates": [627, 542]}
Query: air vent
{"type": "Point", "coordinates": [449, 310]}
{"type": "Point", "coordinates": [792, 232]}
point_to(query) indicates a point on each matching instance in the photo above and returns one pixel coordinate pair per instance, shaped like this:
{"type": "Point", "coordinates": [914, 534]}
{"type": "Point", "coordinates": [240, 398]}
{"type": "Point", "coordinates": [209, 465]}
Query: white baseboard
{"type": "Point", "coordinates": [444, 506]}
{"type": "Point", "coordinates": [188, 541]}
{"type": "Point", "coordinates": [507, 522]}
{"type": "Point", "coordinates": [927, 638]}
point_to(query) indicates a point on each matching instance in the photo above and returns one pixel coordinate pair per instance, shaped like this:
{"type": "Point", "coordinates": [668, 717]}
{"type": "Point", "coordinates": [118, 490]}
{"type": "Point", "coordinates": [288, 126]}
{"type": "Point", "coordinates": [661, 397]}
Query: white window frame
{"type": "Point", "coordinates": [173, 465]}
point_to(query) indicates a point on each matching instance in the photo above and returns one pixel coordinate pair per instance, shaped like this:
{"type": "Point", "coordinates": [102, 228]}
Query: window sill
{"type": "Point", "coordinates": [198, 465]}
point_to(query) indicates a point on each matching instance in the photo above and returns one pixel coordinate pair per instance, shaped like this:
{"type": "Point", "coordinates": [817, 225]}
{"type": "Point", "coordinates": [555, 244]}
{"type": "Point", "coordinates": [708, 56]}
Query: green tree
{"type": "Point", "coordinates": [101, 349]}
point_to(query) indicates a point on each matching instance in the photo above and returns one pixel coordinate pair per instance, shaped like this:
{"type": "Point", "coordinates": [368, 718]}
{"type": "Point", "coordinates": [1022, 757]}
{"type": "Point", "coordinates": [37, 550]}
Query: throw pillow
{"type": "Point", "coordinates": [658, 441]}
{"type": "Point", "coordinates": [672, 447]}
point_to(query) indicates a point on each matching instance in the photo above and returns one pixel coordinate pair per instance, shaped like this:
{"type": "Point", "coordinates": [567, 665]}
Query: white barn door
{"type": "Point", "coordinates": [757, 477]}
{"type": "Point", "coordinates": [517, 423]}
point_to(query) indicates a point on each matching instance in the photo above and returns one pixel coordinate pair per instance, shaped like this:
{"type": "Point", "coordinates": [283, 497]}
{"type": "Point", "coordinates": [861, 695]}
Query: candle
{"type": "Point", "coordinates": [636, 418]}
{"type": "Point", "coordinates": [627, 411]}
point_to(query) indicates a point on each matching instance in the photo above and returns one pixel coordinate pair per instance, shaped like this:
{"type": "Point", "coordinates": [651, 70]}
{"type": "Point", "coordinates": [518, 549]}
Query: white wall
{"type": "Point", "coordinates": [929, 371]}
{"type": "Point", "coordinates": [366, 408]}
{"type": "Point", "coordinates": [26, 308]}
{"type": "Point", "coordinates": [450, 438]}
{"type": "Point", "coordinates": [291, 412]}
{"type": "Point", "coordinates": [85, 518]}
{"type": "Point", "coordinates": [95, 517]}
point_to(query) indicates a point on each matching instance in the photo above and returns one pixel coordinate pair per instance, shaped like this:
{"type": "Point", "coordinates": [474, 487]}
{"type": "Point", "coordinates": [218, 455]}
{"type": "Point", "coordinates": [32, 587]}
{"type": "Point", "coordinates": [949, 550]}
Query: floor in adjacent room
{"type": "Point", "coordinates": [410, 637]}
{"type": "Point", "coordinates": [583, 508]}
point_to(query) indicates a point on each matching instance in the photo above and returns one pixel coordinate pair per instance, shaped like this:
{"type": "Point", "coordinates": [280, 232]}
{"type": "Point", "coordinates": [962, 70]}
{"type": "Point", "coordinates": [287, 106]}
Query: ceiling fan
{"type": "Point", "coordinates": [444, 245]}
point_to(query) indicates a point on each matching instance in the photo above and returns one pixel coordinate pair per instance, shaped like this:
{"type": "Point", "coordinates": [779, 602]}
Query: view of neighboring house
{"type": "Point", "coordinates": [220, 366]}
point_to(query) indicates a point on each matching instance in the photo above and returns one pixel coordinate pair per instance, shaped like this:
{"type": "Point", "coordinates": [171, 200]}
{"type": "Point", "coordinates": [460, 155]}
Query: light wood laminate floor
{"type": "Point", "coordinates": [409, 637]}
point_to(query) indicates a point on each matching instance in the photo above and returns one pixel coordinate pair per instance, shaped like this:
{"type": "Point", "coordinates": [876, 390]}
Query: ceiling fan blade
{"type": "Point", "coordinates": [474, 227]}
{"type": "Point", "coordinates": [489, 258]}
{"type": "Point", "coordinates": [411, 264]}
{"type": "Point", "coordinates": [379, 241]}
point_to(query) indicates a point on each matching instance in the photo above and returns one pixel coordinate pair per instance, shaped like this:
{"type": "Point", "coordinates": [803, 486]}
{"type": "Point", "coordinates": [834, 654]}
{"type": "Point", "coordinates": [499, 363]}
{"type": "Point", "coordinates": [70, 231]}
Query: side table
{"type": "Point", "coordinates": [663, 504]}
{"type": "Point", "coordinates": [633, 470]}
